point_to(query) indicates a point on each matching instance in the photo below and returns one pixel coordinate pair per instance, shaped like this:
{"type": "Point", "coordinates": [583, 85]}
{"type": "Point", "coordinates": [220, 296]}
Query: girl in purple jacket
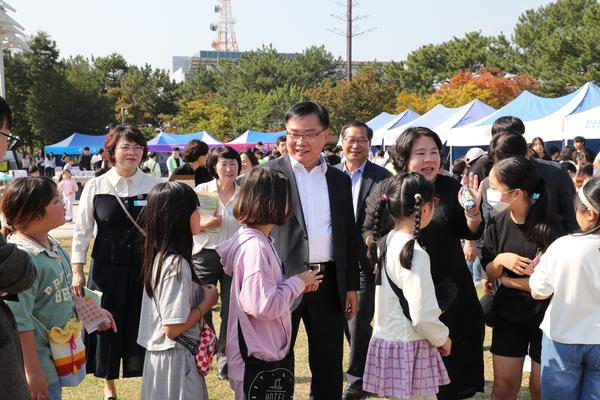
{"type": "Point", "coordinates": [261, 297]}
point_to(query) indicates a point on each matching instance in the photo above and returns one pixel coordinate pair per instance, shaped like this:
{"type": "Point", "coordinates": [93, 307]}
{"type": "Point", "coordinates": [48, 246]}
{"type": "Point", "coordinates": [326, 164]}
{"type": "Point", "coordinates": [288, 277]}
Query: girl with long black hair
{"type": "Point", "coordinates": [173, 302]}
{"type": "Point", "coordinates": [512, 245]}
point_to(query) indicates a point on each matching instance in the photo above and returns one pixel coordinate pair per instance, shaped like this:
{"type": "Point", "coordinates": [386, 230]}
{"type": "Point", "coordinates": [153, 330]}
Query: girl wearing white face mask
{"type": "Point", "coordinates": [512, 245]}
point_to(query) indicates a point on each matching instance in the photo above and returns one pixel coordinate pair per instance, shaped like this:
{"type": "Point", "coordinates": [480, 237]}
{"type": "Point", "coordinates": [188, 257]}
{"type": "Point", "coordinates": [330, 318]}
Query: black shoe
{"type": "Point", "coordinates": [353, 393]}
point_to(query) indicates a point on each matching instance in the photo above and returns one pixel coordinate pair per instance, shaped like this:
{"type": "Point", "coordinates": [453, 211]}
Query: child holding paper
{"type": "Point", "coordinates": [44, 313]}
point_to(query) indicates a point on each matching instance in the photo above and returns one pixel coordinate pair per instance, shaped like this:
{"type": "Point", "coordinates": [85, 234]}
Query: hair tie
{"type": "Point", "coordinates": [418, 198]}
{"type": "Point", "coordinates": [385, 197]}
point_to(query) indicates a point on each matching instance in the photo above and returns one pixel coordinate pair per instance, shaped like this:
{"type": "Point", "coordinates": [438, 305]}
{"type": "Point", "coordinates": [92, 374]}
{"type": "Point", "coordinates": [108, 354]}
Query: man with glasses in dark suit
{"type": "Point", "coordinates": [356, 145]}
{"type": "Point", "coordinates": [321, 235]}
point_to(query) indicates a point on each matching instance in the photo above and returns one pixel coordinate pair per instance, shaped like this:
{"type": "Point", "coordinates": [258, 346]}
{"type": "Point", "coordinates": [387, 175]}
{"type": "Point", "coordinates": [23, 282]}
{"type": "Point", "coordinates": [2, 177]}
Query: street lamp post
{"type": "Point", "coordinates": [11, 37]}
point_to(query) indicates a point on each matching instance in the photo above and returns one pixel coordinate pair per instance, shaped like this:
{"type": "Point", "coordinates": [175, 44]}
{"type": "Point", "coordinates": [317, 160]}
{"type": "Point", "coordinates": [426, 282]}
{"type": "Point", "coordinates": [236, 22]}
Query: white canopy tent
{"type": "Point", "coordinates": [401, 119]}
{"type": "Point", "coordinates": [543, 117]}
{"type": "Point", "coordinates": [442, 119]}
{"type": "Point", "coordinates": [586, 124]}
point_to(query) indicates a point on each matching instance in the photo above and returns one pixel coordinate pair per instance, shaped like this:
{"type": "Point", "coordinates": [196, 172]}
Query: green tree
{"type": "Point", "coordinates": [430, 66]}
{"type": "Point", "coordinates": [18, 84]}
{"type": "Point", "coordinates": [44, 106]}
{"type": "Point", "coordinates": [150, 97]}
{"type": "Point", "coordinates": [88, 108]}
{"type": "Point", "coordinates": [360, 99]}
{"type": "Point", "coordinates": [559, 44]}
{"type": "Point", "coordinates": [203, 115]}
{"type": "Point", "coordinates": [110, 70]}
{"type": "Point", "coordinates": [311, 67]}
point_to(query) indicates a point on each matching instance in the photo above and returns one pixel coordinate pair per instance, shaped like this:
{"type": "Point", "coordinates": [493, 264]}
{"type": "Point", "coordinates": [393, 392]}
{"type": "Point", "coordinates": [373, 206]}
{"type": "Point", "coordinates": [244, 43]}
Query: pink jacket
{"type": "Point", "coordinates": [261, 299]}
{"type": "Point", "coordinates": [68, 188]}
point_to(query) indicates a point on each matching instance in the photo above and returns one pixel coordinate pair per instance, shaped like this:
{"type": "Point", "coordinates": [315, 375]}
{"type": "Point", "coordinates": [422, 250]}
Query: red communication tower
{"type": "Point", "coordinates": [226, 40]}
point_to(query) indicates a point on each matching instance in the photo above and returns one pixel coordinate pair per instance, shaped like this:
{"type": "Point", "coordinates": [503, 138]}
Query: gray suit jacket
{"type": "Point", "coordinates": [291, 239]}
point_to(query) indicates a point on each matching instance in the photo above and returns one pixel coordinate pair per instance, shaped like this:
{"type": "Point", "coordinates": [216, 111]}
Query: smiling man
{"type": "Point", "coordinates": [321, 235]}
{"type": "Point", "coordinates": [356, 144]}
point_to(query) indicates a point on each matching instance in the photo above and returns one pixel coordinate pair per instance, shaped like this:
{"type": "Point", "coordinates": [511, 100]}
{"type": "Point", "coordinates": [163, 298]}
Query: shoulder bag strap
{"type": "Point", "coordinates": [181, 339]}
{"type": "Point", "coordinates": [112, 189]}
{"type": "Point", "coordinates": [400, 294]}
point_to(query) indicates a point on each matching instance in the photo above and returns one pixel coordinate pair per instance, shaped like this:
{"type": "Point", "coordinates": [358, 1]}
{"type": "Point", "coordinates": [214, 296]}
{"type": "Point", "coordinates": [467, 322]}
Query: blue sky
{"type": "Point", "coordinates": [152, 31]}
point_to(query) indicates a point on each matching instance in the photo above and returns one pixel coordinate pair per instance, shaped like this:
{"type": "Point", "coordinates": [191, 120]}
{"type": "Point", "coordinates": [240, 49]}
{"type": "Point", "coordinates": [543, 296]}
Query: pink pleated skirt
{"type": "Point", "coordinates": [403, 369]}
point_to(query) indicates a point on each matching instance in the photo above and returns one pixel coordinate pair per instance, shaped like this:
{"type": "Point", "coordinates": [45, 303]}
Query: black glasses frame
{"type": "Point", "coordinates": [13, 141]}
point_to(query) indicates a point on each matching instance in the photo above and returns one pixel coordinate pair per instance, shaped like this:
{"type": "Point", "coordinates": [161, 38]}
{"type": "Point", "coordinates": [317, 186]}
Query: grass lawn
{"type": "Point", "coordinates": [128, 389]}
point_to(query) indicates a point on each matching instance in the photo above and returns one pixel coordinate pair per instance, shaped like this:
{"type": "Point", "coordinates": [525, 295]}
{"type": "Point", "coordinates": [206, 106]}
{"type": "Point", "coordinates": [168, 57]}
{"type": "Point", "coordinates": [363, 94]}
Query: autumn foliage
{"type": "Point", "coordinates": [490, 86]}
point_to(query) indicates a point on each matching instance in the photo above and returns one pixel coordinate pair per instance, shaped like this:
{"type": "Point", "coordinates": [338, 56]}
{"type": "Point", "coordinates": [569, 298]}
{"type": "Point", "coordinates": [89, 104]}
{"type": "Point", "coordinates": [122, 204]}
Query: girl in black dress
{"type": "Point", "coordinates": [112, 202]}
{"type": "Point", "coordinates": [512, 245]}
{"type": "Point", "coordinates": [418, 150]}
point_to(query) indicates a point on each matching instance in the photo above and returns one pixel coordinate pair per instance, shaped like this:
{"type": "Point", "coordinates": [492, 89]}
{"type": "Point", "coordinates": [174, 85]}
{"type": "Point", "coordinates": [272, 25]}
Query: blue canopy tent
{"type": "Point", "coordinates": [250, 138]}
{"type": "Point", "coordinates": [75, 143]}
{"type": "Point", "coordinates": [543, 117]}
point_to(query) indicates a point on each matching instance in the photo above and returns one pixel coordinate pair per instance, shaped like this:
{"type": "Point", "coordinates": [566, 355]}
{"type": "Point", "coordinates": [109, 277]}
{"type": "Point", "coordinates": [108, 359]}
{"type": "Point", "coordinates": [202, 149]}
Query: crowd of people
{"type": "Point", "coordinates": [378, 249]}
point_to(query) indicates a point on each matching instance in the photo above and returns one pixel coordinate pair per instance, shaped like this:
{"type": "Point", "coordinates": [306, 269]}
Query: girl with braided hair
{"type": "Point", "coordinates": [404, 358]}
{"type": "Point", "coordinates": [418, 150]}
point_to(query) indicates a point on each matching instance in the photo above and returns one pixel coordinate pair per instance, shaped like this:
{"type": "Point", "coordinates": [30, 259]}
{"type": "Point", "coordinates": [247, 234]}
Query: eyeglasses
{"type": "Point", "coordinates": [12, 140]}
{"type": "Point", "coordinates": [127, 147]}
{"type": "Point", "coordinates": [308, 136]}
{"type": "Point", "coordinates": [352, 142]}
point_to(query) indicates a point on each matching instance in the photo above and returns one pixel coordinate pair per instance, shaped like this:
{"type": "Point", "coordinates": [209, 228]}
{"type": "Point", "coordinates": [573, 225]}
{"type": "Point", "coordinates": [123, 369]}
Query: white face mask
{"type": "Point", "coordinates": [494, 199]}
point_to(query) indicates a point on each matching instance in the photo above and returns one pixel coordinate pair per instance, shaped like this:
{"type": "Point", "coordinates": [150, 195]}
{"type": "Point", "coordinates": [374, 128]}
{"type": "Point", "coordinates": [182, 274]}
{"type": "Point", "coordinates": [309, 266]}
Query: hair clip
{"type": "Point", "coordinates": [418, 197]}
{"type": "Point", "coordinates": [385, 197]}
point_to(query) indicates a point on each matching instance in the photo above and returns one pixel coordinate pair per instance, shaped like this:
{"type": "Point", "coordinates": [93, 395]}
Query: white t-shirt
{"type": "Point", "coordinates": [417, 287]}
{"type": "Point", "coordinates": [570, 269]}
{"type": "Point", "coordinates": [175, 295]}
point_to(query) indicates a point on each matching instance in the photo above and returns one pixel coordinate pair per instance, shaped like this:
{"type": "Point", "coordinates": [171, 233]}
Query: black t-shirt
{"type": "Point", "coordinates": [513, 306]}
{"type": "Point", "coordinates": [85, 162]}
{"type": "Point", "coordinates": [201, 174]}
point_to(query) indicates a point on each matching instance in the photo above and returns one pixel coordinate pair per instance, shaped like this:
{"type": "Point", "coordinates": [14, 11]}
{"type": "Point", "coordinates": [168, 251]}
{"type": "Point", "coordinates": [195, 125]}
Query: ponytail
{"type": "Point", "coordinates": [537, 224]}
{"type": "Point", "coordinates": [406, 254]}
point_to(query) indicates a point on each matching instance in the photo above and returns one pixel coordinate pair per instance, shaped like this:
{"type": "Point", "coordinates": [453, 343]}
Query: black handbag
{"type": "Point", "coordinates": [266, 380]}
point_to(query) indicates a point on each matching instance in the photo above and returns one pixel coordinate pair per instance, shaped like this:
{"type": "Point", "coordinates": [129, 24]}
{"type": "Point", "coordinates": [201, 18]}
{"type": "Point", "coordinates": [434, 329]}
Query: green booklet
{"type": "Point", "coordinates": [93, 294]}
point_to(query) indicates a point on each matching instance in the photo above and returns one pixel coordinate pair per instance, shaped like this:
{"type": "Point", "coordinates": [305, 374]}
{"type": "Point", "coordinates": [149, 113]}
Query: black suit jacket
{"type": "Point", "coordinates": [291, 239]}
{"type": "Point", "coordinates": [372, 174]}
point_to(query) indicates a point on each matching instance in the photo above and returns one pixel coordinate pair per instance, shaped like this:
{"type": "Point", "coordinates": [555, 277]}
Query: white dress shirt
{"type": "Point", "coordinates": [229, 225]}
{"type": "Point", "coordinates": [389, 321]}
{"type": "Point", "coordinates": [314, 197]}
{"type": "Point", "coordinates": [139, 183]}
{"type": "Point", "coordinates": [356, 177]}
{"type": "Point", "coordinates": [570, 271]}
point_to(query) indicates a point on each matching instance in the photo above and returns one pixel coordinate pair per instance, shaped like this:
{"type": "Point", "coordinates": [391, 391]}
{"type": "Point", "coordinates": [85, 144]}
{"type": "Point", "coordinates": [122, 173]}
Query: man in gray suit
{"type": "Point", "coordinates": [356, 144]}
{"type": "Point", "coordinates": [320, 235]}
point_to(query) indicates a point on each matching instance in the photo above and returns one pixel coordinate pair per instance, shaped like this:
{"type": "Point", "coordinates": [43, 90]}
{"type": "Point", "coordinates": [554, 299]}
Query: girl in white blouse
{"type": "Point", "coordinates": [569, 271]}
{"type": "Point", "coordinates": [404, 357]}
